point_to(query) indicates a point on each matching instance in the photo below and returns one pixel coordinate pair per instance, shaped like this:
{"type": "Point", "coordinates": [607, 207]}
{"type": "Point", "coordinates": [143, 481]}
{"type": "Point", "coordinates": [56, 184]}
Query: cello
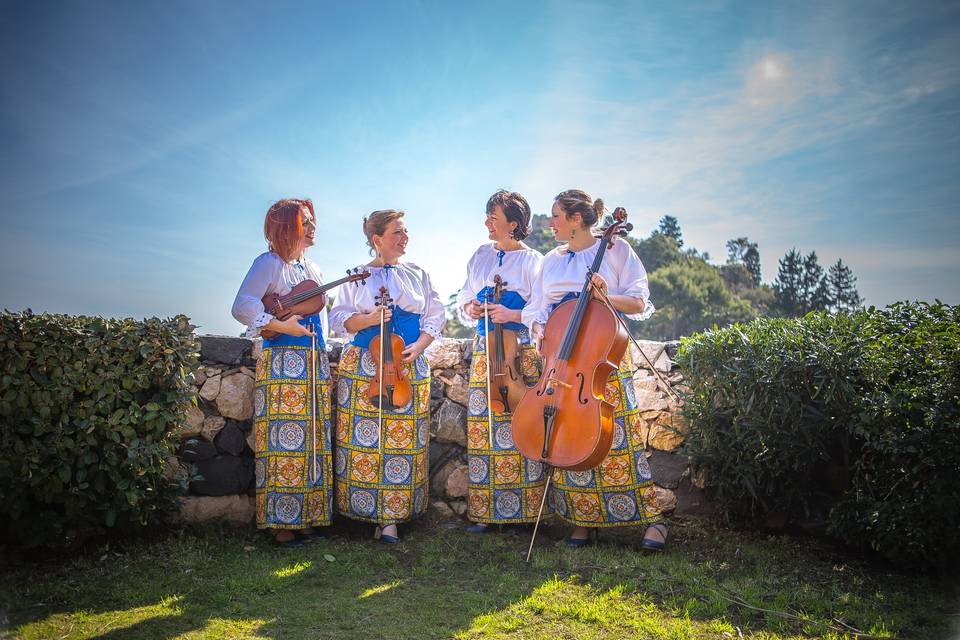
{"type": "Point", "coordinates": [564, 420]}
{"type": "Point", "coordinates": [390, 388]}
{"type": "Point", "coordinates": [504, 371]}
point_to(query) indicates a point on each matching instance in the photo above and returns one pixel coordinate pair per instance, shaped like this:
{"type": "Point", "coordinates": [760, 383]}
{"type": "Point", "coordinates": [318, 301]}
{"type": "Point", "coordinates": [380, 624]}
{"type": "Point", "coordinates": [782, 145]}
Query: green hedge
{"type": "Point", "coordinates": [87, 409]}
{"type": "Point", "coordinates": [852, 419]}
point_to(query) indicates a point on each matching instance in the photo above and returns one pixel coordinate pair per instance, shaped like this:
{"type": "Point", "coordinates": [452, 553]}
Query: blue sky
{"type": "Point", "coordinates": [141, 143]}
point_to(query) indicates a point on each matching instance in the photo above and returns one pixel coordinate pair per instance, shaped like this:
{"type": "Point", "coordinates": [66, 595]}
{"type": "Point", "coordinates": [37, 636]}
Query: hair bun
{"type": "Point", "coordinates": [598, 207]}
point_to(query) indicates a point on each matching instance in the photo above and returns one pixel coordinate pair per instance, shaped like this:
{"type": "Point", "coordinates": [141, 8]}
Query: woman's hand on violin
{"type": "Point", "coordinates": [599, 286]}
{"type": "Point", "coordinates": [291, 326]}
{"type": "Point", "coordinates": [473, 309]}
{"type": "Point", "coordinates": [414, 349]}
{"type": "Point", "coordinates": [501, 314]}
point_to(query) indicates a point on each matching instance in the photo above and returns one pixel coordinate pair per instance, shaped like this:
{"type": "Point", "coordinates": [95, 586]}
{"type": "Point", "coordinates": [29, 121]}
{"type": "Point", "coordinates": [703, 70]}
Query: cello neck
{"type": "Point", "coordinates": [570, 336]}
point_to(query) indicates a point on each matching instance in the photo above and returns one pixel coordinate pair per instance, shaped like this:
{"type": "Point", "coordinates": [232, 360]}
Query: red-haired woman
{"type": "Point", "coordinates": [381, 457]}
{"type": "Point", "coordinates": [291, 417]}
{"type": "Point", "coordinates": [619, 492]}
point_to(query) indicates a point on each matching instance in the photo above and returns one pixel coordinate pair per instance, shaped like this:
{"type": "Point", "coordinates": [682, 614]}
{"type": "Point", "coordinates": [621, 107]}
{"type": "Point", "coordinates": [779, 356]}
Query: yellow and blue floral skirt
{"type": "Point", "coordinates": [504, 487]}
{"type": "Point", "coordinates": [294, 484]}
{"type": "Point", "coordinates": [619, 492]}
{"type": "Point", "coordinates": [386, 483]}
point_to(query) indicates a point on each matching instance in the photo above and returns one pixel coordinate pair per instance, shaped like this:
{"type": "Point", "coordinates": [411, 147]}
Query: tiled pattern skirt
{"type": "Point", "coordinates": [504, 487]}
{"type": "Point", "coordinates": [385, 484]}
{"type": "Point", "coordinates": [619, 492]}
{"type": "Point", "coordinates": [294, 483]}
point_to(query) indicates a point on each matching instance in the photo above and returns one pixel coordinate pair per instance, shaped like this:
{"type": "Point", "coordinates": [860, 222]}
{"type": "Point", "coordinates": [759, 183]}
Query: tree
{"type": "Point", "coordinates": [800, 286]}
{"type": "Point", "coordinates": [842, 287]}
{"type": "Point", "coordinates": [452, 327]}
{"type": "Point", "coordinates": [742, 251]}
{"type": "Point", "coordinates": [670, 227]}
{"type": "Point", "coordinates": [691, 296]}
{"type": "Point", "coordinates": [541, 237]}
{"type": "Point", "coordinates": [656, 251]}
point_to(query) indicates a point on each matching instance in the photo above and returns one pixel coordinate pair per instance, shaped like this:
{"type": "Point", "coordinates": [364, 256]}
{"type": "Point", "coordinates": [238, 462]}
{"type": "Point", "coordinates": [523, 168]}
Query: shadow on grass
{"type": "Point", "coordinates": [440, 582]}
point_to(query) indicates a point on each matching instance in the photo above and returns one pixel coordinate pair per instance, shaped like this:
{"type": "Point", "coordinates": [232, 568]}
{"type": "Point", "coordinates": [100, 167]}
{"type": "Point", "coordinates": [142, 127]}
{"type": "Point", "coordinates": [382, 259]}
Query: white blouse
{"type": "Point", "coordinates": [519, 272]}
{"type": "Point", "coordinates": [269, 274]}
{"type": "Point", "coordinates": [410, 288]}
{"type": "Point", "coordinates": [563, 272]}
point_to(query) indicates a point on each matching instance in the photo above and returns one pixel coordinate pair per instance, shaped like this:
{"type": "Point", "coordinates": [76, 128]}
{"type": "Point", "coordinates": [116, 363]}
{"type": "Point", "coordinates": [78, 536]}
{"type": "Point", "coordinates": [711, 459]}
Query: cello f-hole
{"type": "Point", "coordinates": [580, 392]}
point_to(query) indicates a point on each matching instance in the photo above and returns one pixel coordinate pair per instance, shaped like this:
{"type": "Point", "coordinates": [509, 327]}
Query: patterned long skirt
{"type": "Point", "coordinates": [504, 487]}
{"type": "Point", "coordinates": [619, 491]}
{"type": "Point", "coordinates": [294, 483]}
{"type": "Point", "coordinates": [383, 484]}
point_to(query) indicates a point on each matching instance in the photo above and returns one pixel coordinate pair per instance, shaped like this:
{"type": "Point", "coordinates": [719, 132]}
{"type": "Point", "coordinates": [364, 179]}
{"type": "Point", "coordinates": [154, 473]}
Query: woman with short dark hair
{"type": "Point", "coordinates": [503, 486]}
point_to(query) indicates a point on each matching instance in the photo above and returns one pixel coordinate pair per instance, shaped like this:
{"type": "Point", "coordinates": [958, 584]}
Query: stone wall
{"type": "Point", "coordinates": [215, 455]}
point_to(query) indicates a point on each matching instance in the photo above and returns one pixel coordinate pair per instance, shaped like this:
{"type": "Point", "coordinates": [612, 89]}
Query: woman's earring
{"type": "Point", "coordinates": [573, 232]}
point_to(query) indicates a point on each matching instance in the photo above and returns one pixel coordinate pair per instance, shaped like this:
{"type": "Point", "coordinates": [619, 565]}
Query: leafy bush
{"type": "Point", "coordinates": [769, 411]}
{"type": "Point", "coordinates": [904, 497]}
{"type": "Point", "coordinates": [87, 408]}
{"type": "Point", "coordinates": [852, 418]}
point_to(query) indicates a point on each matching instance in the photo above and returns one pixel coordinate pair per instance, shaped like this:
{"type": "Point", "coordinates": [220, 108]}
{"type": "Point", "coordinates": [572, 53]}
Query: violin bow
{"type": "Point", "coordinates": [380, 394]}
{"type": "Point", "coordinates": [543, 499]}
{"type": "Point", "coordinates": [660, 380]}
{"type": "Point", "coordinates": [313, 401]}
{"type": "Point", "coordinates": [486, 346]}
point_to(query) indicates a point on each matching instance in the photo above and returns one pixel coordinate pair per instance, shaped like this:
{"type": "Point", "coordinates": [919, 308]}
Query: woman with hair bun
{"type": "Point", "coordinates": [504, 487]}
{"type": "Point", "coordinates": [619, 491]}
{"type": "Point", "coordinates": [291, 419]}
{"type": "Point", "coordinates": [380, 465]}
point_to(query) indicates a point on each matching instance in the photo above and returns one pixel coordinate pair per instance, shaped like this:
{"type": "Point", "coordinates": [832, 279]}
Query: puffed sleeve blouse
{"type": "Point", "coordinates": [518, 269]}
{"type": "Point", "coordinates": [269, 274]}
{"type": "Point", "coordinates": [563, 272]}
{"type": "Point", "coordinates": [409, 287]}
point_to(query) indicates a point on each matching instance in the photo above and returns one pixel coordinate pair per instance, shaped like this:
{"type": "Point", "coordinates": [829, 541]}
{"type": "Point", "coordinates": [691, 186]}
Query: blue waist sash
{"type": "Point", "coordinates": [509, 299]}
{"type": "Point", "coordinates": [405, 324]}
{"type": "Point", "coordinates": [283, 340]}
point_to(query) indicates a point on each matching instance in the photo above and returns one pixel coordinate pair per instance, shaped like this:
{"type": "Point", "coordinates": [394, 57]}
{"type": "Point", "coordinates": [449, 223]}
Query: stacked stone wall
{"type": "Point", "coordinates": [215, 453]}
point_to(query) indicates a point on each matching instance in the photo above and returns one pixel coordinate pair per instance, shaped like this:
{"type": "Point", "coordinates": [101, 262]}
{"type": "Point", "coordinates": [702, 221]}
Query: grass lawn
{"type": "Point", "coordinates": [440, 582]}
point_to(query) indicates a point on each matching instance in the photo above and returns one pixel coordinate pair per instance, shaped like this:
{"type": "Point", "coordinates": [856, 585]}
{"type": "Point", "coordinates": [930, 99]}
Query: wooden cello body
{"type": "Point", "coordinates": [565, 420]}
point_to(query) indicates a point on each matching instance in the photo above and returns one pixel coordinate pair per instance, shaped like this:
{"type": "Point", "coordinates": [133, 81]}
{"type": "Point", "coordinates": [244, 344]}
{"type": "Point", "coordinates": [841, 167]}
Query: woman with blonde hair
{"type": "Point", "coordinates": [292, 396]}
{"type": "Point", "coordinates": [381, 456]}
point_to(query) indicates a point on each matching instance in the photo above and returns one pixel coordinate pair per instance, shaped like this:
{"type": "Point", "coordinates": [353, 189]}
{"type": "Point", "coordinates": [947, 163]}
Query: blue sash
{"type": "Point", "coordinates": [283, 340]}
{"type": "Point", "coordinates": [405, 324]}
{"type": "Point", "coordinates": [509, 299]}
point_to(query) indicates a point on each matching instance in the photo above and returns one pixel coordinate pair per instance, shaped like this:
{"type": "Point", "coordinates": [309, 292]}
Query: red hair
{"type": "Point", "coordinates": [283, 226]}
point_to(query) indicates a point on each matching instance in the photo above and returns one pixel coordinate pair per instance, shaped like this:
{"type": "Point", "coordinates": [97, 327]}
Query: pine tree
{"type": "Point", "coordinates": [670, 226]}
{"type": "Point", "coordinates": [816, 293]}
{"type": "Point", "coordinates": [788, 285]}
{"type": "Point", "coordinates": [843, 288]}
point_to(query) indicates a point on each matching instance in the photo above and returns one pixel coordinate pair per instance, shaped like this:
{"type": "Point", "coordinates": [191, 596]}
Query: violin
{"type": "Point", "coordinates": [390, 388]}
{"type": "Point", "coordinates": [305, 299]}
{"type": "Point", "coordinates": [564, 420]}
{"type": "Point", "coordinates": [503, 361]}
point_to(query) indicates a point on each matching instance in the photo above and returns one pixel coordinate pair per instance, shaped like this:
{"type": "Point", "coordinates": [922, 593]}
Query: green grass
{"type": "Point", "coordinates": [441, 583]}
